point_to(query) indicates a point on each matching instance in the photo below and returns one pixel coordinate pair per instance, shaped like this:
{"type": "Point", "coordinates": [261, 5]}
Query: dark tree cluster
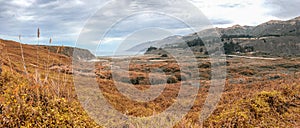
{"type": "Point", "coordinates": [236, 47]}
{"type": "Point", "coordinates": [195, 42]}
{"type": "Point", "coordinates": [151, 49]}
{"type": "Point", "coordinates": [236, 36]}
{"type": "Point", "coordinates": [231, 47]}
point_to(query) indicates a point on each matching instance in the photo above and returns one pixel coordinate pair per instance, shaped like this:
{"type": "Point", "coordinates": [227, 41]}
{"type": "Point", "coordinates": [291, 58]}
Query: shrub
{"type": "Point", "coordinates": [28, 104]}
{"type": "Point", "coordinates": [164, 55]}
{"type": "Point", "coordinates": [264, 109]}
{"type": "Point", "coordinates": [204, 65]}
{"type": "Point", "coordinates": [247, 72]}
{"type": "Point", "coordinates": [172, 79]}
{"type": "Point", "coordinates": [151, 49]}
{"type": "Point", "coordinates": [180, 77]}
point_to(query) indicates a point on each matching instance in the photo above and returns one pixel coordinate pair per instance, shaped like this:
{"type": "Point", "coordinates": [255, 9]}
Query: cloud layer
{"type": "Point", "coordinates": [64, 20]}
{"type": "Point", "coordinates": [60, 19]}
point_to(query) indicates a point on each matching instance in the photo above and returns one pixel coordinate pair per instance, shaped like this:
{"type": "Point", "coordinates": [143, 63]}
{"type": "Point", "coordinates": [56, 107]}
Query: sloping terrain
{"type": "Point", "coordinates": [258, 92]}
{"type": "Point", "coordinates": [35, 94]}
{"type": "Point", "coordinates": [279, 38]}
{"type": "Point", "coordinates": [19, 56]}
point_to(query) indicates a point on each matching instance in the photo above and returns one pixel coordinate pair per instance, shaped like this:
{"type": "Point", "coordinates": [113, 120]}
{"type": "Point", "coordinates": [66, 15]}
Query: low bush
{"type": "Point", "coordinates": [171, 80]}
{"type": "Point", "coordinates": [264, 109]}
{"type": "Point", "coordinates": [26, 104]}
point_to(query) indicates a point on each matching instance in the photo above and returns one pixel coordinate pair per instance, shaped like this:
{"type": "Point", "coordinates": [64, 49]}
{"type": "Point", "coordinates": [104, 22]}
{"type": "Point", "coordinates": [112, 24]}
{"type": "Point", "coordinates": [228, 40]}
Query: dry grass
{"type": "Point", "coordinates": [28, 101]}
{"type": "Point", "coordinates": [257, 93]}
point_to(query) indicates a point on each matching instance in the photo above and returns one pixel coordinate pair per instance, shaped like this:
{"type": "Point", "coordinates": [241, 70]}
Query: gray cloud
{"type": "Point", "coordinates": [230, 5]}
{"type": "Point", "coordinates": [220, 21]}
{"type": "Point", "coordinates": [284, 8]}
{"type": "Point", "coordinates": [61, 19]}
{"type": "Point", "coordinates": [126, 17]}
{"type": "Point", "coordinates": [64, 19]}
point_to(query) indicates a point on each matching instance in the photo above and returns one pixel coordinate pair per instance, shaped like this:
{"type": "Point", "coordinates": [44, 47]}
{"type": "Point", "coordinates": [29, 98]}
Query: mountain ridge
{"type": "Point", "coordinates": [287, 30]}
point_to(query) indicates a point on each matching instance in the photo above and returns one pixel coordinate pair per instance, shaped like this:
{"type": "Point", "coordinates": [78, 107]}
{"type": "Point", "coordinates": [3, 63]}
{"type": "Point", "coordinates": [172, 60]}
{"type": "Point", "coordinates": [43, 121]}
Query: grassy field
{"type": "Point", "coordinates": [257, 93]}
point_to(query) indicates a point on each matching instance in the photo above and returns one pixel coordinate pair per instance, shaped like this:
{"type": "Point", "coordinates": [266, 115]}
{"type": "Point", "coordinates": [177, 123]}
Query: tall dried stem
{"type": "Point", "coordinates": [22, 55]}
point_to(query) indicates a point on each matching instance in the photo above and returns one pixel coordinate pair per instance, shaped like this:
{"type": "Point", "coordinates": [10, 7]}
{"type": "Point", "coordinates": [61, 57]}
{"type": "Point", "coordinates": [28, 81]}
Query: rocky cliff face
{"type": "Point", "coordinates": [76, 53]}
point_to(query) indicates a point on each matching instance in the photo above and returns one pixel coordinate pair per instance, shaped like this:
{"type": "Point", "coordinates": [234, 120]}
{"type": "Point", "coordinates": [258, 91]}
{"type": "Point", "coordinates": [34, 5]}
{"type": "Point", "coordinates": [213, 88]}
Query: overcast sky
{"type": "Point", "coordinates": [64, 20]}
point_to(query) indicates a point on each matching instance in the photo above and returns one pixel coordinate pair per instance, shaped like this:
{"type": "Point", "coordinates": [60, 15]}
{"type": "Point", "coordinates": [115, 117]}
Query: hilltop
{"type": "Point", "coordinates": [33, 56]}
{"type": "Point", "coordinates": [21, 57]}
{"type": "Point", "coordinates": [275, 37]}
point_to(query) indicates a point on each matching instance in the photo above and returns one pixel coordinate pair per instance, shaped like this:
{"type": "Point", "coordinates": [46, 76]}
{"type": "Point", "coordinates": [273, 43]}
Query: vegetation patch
{"type": "Point", "coordinates": [264, 109]}
{"type": "Point", "coordinates": [28, 104]}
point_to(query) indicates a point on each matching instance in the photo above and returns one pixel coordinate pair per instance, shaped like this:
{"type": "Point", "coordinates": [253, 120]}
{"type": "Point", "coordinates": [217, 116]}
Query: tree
{"type": "Point", "coordinates": [201, 50]}
{"type": "Point", "coordinates": [151, 49]}
{"type": "Point", "coordinates": [195, 42]}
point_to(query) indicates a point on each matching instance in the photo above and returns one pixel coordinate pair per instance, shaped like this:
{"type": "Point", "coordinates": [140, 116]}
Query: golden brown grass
{"type": "Point", "coordinates": [257, 93]}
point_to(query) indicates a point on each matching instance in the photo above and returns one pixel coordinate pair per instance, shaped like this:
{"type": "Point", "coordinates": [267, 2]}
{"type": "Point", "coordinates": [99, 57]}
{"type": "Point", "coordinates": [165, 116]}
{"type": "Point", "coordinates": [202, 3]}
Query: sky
{"type": "Point", "coordinates": [102, 26]}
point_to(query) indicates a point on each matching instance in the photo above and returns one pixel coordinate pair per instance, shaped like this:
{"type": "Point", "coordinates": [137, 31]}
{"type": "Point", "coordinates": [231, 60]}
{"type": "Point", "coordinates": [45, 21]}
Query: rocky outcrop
{"type": "Point", "coordinates": [76, 53]}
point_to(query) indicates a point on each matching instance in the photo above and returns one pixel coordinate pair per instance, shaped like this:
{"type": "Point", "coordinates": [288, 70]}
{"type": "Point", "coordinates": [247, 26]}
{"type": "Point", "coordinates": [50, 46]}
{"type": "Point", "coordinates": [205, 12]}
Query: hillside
{"type": "Point", "coordinates": [30, 52]}
{"type": "Point", "coordinates": [36, 88]}
{"type": "Point", "coordinates": [258, 92]}
{"type": "Point", "coordinates": [81, 54]}
{"type": "Point", "coordinates": [277, 38]}
{"type": "Point", "coordinates": [33, 57]}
